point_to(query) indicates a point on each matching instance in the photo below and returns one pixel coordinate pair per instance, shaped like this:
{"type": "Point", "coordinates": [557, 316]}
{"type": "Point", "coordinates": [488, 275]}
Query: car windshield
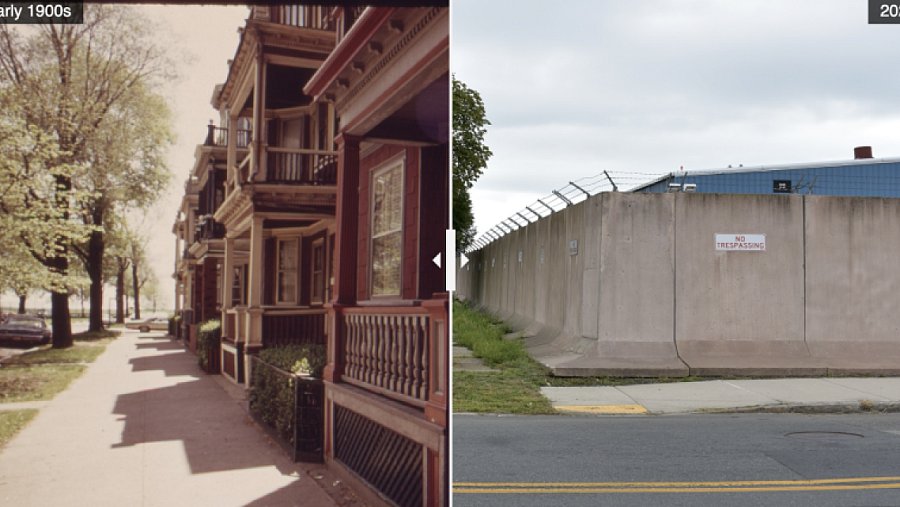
{"type": "Point", "coordinates": [24, 323]}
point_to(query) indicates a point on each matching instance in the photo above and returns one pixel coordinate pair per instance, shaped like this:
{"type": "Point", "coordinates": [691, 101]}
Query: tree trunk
{"type": "Point", "coordinates": [22, 298]}
{"type": "Point", "coordinates": [95, 272]}
{"type": "Point", "coordinates": [120, 292]}
{"type": "Point", "coordinates": [60, 320]}
{"type": "Point", "coordinates": [137, 289]}
{"type": "Point", "coordinates": [62, 324]}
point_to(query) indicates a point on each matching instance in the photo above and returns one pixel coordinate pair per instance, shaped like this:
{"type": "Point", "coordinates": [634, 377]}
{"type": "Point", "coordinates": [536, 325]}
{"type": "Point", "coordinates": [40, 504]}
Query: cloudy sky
{"type": "Point", "coordinates": [642, 89]}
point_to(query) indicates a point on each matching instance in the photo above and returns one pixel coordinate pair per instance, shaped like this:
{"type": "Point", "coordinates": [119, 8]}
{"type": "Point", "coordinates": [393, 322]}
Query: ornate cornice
{"type": "Point", "coordinates": [388, 56]}
{"type": "Point", "coordinates": [297, 42]}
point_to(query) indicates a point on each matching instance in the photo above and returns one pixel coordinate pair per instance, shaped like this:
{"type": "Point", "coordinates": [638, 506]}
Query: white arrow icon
{"type": "Point", "coordinates": [463, 260]}
{"type": "Point", "coordinates": [437, 259]}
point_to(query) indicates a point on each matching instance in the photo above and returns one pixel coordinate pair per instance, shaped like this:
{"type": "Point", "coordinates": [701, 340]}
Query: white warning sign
{"type": "Point", "coordinates": [741, 242]}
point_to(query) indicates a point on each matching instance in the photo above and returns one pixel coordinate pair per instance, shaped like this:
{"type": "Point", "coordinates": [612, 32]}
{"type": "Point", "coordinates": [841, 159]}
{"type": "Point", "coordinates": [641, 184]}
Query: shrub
{"type": "Point", "coordinates": [271, 395]}
{"type": "Point", "coordinates": [308, 359]}
{"type": "Point", "coordinates": [208, 335]}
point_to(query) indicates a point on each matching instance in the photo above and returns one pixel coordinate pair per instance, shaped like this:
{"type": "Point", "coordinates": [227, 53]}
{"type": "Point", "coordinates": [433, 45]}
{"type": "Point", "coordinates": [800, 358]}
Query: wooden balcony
{"type": "Point", "coordinates": [301, 167]}
{"type": "Point", "coordinates": [303, 16]}
{"type": "Point", "coordinates": [217, 136]}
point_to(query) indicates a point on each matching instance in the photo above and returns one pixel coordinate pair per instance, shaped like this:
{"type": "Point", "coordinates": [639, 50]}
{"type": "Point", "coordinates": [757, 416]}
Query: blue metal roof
{"type": "Point", "coordinates": [864, 177]}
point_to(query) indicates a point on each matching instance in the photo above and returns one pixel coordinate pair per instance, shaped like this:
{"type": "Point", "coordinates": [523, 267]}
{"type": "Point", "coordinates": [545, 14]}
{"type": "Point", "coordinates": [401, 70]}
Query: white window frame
{"type": "Point", "coordinates": [397, 162]}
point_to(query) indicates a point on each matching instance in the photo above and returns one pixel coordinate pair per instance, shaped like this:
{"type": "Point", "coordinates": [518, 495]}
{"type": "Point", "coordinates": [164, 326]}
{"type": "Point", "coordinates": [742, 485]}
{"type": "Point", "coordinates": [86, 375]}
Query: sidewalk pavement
{"type": "Point", "coordinates": [143, 426]}
{"type": "Point", "coordinates": [809, 395]}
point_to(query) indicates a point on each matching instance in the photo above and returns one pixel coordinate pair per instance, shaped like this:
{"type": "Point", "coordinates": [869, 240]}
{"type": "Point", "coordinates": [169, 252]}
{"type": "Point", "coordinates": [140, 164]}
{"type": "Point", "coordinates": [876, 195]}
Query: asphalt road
{"type": "Point", "coordinates": [690, 460]}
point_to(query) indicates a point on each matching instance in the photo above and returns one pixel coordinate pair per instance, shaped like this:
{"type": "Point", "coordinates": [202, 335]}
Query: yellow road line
{"type": "Point", "coordinates": [603, 409]}
{"type": "Point", "coordinates": [856, 483]}
{"type": "Point", "coordinates": [680, 490]}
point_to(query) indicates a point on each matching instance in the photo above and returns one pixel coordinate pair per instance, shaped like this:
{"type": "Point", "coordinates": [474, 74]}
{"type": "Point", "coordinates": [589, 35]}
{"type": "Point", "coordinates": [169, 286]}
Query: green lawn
{"type": "Point", "coordinates": [38, 382]}
{"type": "Point", "coordinates": [42, 374]}
{"type": "Point", "coordinates": [12, 421]}
{"type": "Point", "coordinates": [515, 388]}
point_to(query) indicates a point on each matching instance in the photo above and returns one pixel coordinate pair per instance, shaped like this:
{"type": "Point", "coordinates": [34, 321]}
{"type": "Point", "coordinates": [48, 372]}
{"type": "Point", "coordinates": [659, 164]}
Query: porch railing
{"type": "Point", "coordinates": [293, 327]}
{"type": "Point", "coordinates": [304, 16]}
{"type": "Point", "coordinates": [310, 167]}
{"type": "Point", "coordinates": [388, 352]}
{"type": "Point", "coordinates": [218, 136]}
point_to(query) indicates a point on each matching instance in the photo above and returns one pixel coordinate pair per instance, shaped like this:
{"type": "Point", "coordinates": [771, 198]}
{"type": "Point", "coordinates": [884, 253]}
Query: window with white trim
{"type": "Point", "coordinates": [387, 221]}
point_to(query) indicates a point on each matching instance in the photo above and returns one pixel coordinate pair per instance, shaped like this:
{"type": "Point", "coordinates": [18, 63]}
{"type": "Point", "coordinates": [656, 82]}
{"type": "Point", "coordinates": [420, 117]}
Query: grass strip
{"type": "Point", "coordinates": [42, 374]}
{"type": "Point", "coordinates": [12, 421]}
{"type": "Point", "coordinates": [86, 349]}
{"type": "Point", "coordinates": [504, 392]}
{"type": "Point", "coordinates": [515, 388]}
{"type": "Point", "coordinates": [39, 382]}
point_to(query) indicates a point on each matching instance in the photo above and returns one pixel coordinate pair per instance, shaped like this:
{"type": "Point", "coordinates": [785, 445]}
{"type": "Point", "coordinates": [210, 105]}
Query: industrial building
{"type": "Point", "coordinates": [863, 176]}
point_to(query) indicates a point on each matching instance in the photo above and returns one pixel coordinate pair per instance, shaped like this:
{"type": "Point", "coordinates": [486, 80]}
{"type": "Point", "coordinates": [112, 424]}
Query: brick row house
{"type": "Point", "coordinates": [313, 215]}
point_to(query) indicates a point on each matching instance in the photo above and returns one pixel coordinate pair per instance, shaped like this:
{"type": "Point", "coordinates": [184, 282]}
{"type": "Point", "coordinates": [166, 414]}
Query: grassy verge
{"type": "Point", "coordinates": [515, 387]}
{"type": "Point", "coordinates": [39, 382]}
{"type": "Point", "coordinates": [12, 421]}
{"type": "Point", "coordinates": [42, 374]}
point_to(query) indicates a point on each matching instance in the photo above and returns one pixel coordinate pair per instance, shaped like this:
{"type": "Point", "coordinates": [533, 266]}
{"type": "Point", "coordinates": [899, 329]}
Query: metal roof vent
{"type": "Point", "coordinates": [862, 152]}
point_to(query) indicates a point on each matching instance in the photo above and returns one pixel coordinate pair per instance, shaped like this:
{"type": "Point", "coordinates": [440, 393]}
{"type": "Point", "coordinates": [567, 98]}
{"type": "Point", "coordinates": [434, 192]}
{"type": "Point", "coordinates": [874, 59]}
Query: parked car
{"type": "Point", "coordinates": [22, 328]}
{"type": "Point", "coordinates": [151, 324]}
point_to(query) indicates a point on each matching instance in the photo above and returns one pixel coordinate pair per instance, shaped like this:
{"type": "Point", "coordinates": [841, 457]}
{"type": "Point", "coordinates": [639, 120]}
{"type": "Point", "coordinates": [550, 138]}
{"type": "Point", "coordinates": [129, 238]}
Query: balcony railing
{"type": "Point", "coordinates": [304, 16]}
{"type": "Point", "coordinates": [217, 136]}
{"type": "Point", "coordinates": [305, 167]}
{"type": "Point", "coordinates": [388, 353]}
{"type": "Point", "coordinates": [210, 229]}
{"type": "Point", "coordinates": [293, 327]}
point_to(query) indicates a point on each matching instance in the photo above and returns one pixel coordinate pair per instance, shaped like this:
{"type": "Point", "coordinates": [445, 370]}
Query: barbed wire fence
{"type": "Point", "coordinates": [826, 181]}
{"type": "Point", "coordinates": [573, 193]}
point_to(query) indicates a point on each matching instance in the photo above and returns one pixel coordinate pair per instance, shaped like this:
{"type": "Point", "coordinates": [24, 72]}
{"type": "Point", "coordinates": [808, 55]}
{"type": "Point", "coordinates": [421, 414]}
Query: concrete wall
{"type": "Point", "coordinates": [647, 293]}
{"type": "Point", "coordinates": [852, 280]}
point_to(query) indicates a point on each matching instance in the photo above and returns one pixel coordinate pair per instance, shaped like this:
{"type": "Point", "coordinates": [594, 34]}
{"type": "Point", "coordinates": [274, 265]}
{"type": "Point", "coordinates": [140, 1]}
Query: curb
{"type": "Point", "coordinates": [860, 407]}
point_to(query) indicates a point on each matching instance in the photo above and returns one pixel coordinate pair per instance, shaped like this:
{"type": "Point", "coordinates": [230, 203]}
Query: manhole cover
{"type": "Point", "coordinates": [824, 435]}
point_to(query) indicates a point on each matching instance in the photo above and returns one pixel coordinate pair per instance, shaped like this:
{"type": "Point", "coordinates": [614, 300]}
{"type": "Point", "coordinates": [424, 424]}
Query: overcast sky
{"type": "Point", "coordinates": [578, 87]}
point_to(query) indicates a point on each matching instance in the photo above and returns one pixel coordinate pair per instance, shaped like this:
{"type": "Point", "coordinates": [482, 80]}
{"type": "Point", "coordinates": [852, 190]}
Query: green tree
{"type": "Point", "coordinates": [470, 157]}
{"type": "Point", "coordinates": [30, 221]}
{"type": "Point", "coordinates": [127, 171]}
{"type": "Point", "coordinates": [69, 80]}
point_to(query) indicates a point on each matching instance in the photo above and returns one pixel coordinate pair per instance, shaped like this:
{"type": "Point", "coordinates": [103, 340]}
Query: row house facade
{"type": "Point", "coordinates": [314, 213]}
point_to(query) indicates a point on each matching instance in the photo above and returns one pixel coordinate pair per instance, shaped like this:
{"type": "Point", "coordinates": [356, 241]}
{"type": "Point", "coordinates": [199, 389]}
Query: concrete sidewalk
{"type": "Point", "coordinates": [812, 395]}
{"type": "Point", "coordinates": [144, 427]}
